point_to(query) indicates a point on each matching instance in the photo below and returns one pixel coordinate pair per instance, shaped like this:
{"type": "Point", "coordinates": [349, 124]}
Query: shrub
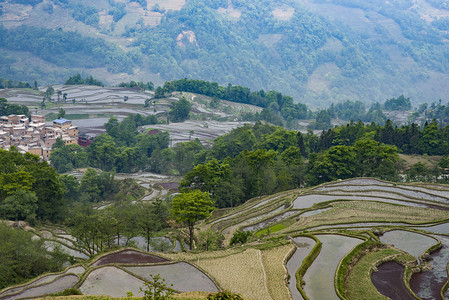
{"type": "Point", "coordinates": [240, 237]}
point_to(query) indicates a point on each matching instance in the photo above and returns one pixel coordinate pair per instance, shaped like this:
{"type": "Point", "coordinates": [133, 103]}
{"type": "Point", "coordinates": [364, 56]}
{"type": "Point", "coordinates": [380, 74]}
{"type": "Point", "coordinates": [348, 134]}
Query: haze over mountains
{"type": "Point", "coordinates": [315, 50]}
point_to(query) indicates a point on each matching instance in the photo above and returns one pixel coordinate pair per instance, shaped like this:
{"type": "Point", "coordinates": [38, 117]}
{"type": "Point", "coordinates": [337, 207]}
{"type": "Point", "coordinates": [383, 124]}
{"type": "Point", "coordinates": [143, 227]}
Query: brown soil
{"type": "Point", "coordinates": [129, 257]}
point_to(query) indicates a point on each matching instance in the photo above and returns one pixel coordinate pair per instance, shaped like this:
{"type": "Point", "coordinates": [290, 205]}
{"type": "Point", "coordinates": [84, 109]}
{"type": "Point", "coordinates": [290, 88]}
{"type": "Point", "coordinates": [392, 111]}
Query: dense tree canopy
{"type": "Point", "coordinates": [27, 172]}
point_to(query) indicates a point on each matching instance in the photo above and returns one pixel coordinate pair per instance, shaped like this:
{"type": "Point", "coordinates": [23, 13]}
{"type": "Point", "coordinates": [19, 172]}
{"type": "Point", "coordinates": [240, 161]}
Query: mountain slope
{"type": "Point", "coordinates": [315, 50]}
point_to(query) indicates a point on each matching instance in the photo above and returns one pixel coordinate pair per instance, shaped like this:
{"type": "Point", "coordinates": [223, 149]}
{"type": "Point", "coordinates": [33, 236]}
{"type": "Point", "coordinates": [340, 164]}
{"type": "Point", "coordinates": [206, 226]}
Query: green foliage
{"type": "Point", "coordinates": [156, 289]}
{"type": "Point", "coordinates": [12, 109]}
{"type": "Point", "coordinates": [283, 104]}
{"type": "Point", "coordinates": [224, 295]}
{"type": "Point", "coordinates": [67, 157]}
{"type": "Point", "coordinates": [143, 86]}
{"type": "Point", "coordinates": [150, 218]}
{"type": "Point", "coordinates": [85, 14]}
{"type": "Point", "coordinates": [24, 258]}
{"type": "Point", "coordinates": [61, 113]}
{"type": "Point", "coordinates": [209, 240]}
{"type": "Point", "coordinates": [76, 80]}
{"type": "Point", "coordinates": [71, 185]}
{"type": "Point", "coordinates": [180, 110]}
{"type": "Point", "coordinates": [20, 205]}
{"type": "Point", "coordinates": [240, 237]}
{"type": "Point", "coordinates": [189, 207]}
{"type": "Point", "coordinates": [400, 103]}
{"type": "Point", "coordinates": [118, 11]}
{"type": "Point", "coordinates": [79, 51]}
{"type": "Point", "coordinates": [27, 172]}
{"type": "Point", "coordinates": [322, 120]}
{"type": "Point", "coordinates": [5, 84]}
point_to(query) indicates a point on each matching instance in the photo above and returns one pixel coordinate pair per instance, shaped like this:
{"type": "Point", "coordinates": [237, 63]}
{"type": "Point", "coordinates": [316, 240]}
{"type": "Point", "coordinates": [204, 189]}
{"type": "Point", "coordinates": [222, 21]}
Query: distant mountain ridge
{"type": "Point", "coordinates": [318, 51]}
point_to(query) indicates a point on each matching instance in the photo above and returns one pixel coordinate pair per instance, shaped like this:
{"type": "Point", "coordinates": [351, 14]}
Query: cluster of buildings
{"type": "Point", "coordinates": [35, 136]}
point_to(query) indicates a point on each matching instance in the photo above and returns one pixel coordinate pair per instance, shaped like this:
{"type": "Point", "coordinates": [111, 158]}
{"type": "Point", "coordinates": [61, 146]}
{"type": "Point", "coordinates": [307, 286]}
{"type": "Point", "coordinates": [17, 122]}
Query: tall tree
{"type": "Point", "coordinates": [191, 206]}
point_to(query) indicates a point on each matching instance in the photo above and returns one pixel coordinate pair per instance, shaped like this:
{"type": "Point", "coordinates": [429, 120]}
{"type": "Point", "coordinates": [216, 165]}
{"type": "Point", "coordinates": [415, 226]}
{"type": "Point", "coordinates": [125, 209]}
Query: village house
{"type": "Point", "coordinates": [35, 136]}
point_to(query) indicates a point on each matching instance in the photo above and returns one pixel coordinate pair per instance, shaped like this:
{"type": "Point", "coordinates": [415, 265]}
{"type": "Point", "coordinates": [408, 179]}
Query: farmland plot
{"type": "Point", "coordinates": [411, 242]}
{"type": "Point", "coordinates": [183, 276]}
{"type": "Point", "coordinates": [319, 278]}
{"type": "Point", "coordinates": [110, 281]}
{"type": "Point", "coordinates": [242, 273]}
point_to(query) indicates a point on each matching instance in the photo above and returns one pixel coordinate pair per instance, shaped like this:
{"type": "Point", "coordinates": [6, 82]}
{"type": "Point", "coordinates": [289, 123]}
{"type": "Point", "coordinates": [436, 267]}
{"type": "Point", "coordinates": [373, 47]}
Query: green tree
{"type": "Point", "coordinates": [240, 237]}
{"type": "Point", "coordinates": [148, 220]}
{"type": "Point", "coordinates": [339, 162]}
{"type": "Point", "coordinates": [20, 205]}
{"type": "Point", "coordinates": [430, 141]}
{"type": "Point", "coordinates": [89, 188]}
{"type": "Point", "coordinates": [67, 157]}
{"type": "Point", "coordinates": [50, 91]}
{"type": "Point", "coordinates": [376, 160]}
{"type": "Point", "coordinates": [61, 113]}
{"type": "Point", "coordinates": [180, 110]}
{"type": "Point", "coordinates": [209, 240]}
{"type": "Point", "coordinates": [189, 207]}
{"type": "Point", "coordinates": [72, 187]}
{"type": "Point", "coordinates": [323, 120]}
{"type": "Point", "coordinates": [24, 258]}
{"type": "Point", "coordinates": [103, 152]}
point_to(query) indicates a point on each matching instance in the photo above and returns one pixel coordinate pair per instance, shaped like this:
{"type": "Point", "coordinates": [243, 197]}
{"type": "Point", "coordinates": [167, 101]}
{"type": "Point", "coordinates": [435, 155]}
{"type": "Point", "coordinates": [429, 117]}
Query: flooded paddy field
{"type": "Point", "coordinates": [57, 285]}
{"type": "Point", "coordinates": [183, 276]}
{"type": "Point", "coordinates": [303, 247]}
{"type": "Point", "coordinates": [427, 285]}
{"type": "Point", "coordinates": [411, 242]}
{"type": "Point", "coordinates": [110, 281]}
{"type": "Point", "coordinates": [319, 278]}
{"type": "Point", "coordinates": [389, 281]}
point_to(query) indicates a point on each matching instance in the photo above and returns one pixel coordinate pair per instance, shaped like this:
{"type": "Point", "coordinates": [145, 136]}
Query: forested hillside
{"type": "Point", "coordinates": [314, 50]}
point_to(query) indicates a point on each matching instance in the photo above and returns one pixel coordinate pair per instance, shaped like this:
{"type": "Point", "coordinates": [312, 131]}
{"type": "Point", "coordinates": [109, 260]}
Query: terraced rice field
{"type": "Point", "coordinates": [110, 281]}
{"type": "Point", "coordinates": [352, 207]}
{"type": "Point", "coordinates": [319, 278]}
{"type": "Point", "coordinates": [411, 242]}
{"type": "Point", "coordinates": [356, 222]}
{"type": "Point", "coordinates": [303, 246]}
{"type": "Point", "coordinates": [183, 276]}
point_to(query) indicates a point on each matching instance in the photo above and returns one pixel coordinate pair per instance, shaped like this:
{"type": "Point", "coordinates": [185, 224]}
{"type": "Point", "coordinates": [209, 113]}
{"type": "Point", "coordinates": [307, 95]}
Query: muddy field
{"type": "Point", "coordinates": [128, 257]}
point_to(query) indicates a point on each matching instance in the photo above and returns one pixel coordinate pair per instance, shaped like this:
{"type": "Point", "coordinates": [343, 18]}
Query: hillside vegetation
{"type": "Point", "coordinates": [314, 50]}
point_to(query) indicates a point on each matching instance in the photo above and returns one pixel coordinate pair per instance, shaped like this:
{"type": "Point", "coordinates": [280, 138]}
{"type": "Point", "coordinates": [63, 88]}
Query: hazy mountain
{"type": "Point", "coordinates": [315, 50]}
